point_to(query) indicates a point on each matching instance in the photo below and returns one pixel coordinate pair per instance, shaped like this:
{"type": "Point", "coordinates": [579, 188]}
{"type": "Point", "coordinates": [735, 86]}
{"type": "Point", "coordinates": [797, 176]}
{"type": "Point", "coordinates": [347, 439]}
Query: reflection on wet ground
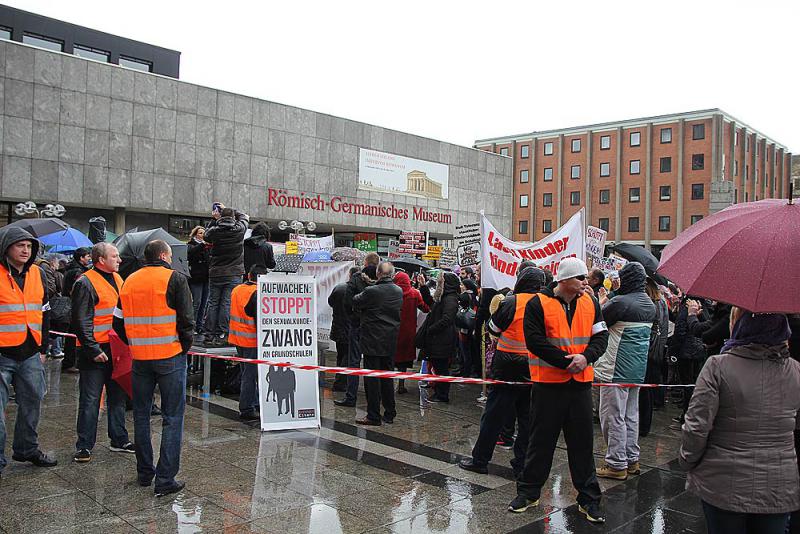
{"type": "Point", "coordinates": [339, 478]}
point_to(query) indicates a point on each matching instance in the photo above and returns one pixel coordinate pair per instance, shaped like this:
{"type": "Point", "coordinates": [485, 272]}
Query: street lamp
{"type": "Point", "coordinates": [29, 207]}
{"type": "Point", "coordinates": [298, 226]}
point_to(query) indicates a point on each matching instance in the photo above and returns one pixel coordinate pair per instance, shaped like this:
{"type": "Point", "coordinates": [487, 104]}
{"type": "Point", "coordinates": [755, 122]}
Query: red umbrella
{"type": "Point", "coordinates": [123, 361]}
{"type": "Point", "coordinates": [747, 255]}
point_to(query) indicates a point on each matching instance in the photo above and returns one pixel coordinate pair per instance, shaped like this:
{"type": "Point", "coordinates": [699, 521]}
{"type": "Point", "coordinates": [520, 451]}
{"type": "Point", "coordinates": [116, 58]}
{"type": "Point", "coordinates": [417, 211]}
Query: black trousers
{"type": "Point", "coordinates": [379, 390]}
{"type": "Point", "coordinates": [504, 403]}
{"type": "Point", "coordinates": [688, 371]}
{"type": "Point", "coordinates": [440, 366]}
{"type": "Point", "coordinates": [342, 349]}
{"type": "Point", "coordinates": [648, 398]}
{"type": "Point", "coordinates": [557, 407]}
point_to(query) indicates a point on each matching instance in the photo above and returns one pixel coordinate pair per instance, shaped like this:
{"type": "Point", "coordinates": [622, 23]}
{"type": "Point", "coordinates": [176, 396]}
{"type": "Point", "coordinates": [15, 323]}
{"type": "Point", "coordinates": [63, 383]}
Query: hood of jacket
{"type": "Point", "coordinates": [255, 241]}
{"type": "Point", "coordinates": [632, 278]}
{"type": "Point", "coordinates": [13, 234]}
{"type": "Point", "coordinates": [403, 281]}
{"type": "Point", "coordinates": [529, 280]}
{"type": "Point", "coordinates": [757, 351]}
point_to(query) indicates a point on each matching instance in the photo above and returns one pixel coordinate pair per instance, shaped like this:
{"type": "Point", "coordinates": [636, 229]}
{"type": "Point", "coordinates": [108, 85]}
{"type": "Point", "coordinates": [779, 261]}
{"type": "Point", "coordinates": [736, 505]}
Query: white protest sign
{"type": "Point", "coordinates": [311, 244]}
{"type": "Point", "coordinates": [328, 275]}
{"type": "Point", "coordinates": [595, 242]}
{"type": "Point", "coordinates": [609, 264]}
{"type": "Point", "coordinates": [501, 256]}
{"type": "Point", "coordinates": [468, 244]}
{"type": "Point", "coordinates": [287, 332]}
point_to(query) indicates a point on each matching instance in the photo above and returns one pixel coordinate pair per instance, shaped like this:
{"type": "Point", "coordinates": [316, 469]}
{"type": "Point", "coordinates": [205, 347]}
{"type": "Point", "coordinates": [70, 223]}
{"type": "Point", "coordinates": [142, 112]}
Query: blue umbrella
{"type": "Point", "coordinates": [65, 241]}
{"type": "Point", "coordinates": [317, 255]}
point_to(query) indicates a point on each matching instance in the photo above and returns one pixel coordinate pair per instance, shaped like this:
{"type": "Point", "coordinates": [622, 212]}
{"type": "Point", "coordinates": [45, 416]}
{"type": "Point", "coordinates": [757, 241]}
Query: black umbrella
{"type": "Point", "coordinates": [640, 254]}
{"type": "Point", "coordinates": [131, 250]}
{"type": "Point", "coordinates": [40, 227]}
{"type": "Point", "coordinates": [410, 265]}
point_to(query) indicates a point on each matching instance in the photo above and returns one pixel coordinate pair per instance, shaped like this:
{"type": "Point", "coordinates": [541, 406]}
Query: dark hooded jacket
{"type": "Point", "coordinates": [75, 270]}
{"type": "Point", "coordinates": [358, 282]}
{"type": "Point", "coordinates": [714, 331]}
{"type": "Point", "coordinates": [257, 250]}
{"type": "Point", "coordinates": [379, 307]}
{"type": "Point", "coordinates": [440, 334]}
{"type": "Point", "coordinates": [684, 345]}
{"type": "Point", "coordinates": [340, 326]}
{"type": "Point", "coordinates": [8, 236]}
{"type": "Point", "coordinates": [198, 256]}
{"type": "Point", "coordinates": [226, 236]}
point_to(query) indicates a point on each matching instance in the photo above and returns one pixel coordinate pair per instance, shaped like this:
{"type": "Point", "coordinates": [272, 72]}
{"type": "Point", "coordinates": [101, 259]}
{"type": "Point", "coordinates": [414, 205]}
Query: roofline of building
{"type": "Point", "coordinates": [628, 123]}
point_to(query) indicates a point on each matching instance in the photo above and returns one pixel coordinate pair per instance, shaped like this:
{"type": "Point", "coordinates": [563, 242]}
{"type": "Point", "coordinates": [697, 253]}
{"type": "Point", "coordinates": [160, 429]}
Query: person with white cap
{"type": "Point", "coordinates": [565, 334]}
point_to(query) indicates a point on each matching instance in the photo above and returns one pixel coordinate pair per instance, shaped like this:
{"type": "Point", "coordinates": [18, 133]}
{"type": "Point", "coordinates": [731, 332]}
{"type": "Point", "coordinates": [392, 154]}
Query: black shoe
{"type": "Point", "coordinates": [520, 504]}
{"type": "Point", "coordinates": [39, 459]}
{"type": "Point", "coordinates": [144, 481]}
{"type": "Point", "coordinates": [127, 447]}
{"type": "Point", "coordinates": [468, 465]}
{"type": "Point", "coordinates": [434, 398]}
{"type": "Point", "coordinates": [82, 456]}
{"type": "Point", "coordinates": [592, 512]}
{"type": "Point", "coordinates": [345, 402]}
{"type": "Point", "coordinates": [366, 421]}
{"type": "Point", "coordinates": [175, 487]}
{"type": "Point", "coordinates": [247, 417]}
{"type": "Point", "coordinates": [387, 420]}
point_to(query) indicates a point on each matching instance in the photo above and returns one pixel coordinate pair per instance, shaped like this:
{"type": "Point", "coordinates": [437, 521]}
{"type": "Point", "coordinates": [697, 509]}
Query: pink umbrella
{"type": "Point", "coordinates": [747, 255]}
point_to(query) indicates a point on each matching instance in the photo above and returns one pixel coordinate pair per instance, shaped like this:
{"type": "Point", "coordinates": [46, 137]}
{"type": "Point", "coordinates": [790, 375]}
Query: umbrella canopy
{"type": "Point", "coordinates": [131, 250]}
{"type": "Point", "coordinates": [317, 255]}
{"type": "Point", "coordinates": [640, 254]}
{"type": "Point", "coordinates": [65, 240]}
{"type": "Point", "coordinates": [40, 227]}
{"type": "Point", "coordinates": [746, 255]}
{"type": "Point", "coordinates": [411, 265]}
{"type": "Point", "coordinates": [348, 254]}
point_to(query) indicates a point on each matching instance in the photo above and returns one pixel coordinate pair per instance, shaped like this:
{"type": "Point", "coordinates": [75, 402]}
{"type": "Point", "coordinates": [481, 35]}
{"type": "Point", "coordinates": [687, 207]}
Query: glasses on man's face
{"type": "Point", "coordinates": [581, 277]}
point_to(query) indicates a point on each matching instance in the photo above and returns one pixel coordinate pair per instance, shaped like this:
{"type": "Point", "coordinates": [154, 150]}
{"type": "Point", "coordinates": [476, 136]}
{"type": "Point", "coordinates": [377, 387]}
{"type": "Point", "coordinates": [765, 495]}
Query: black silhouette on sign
{"type": "Point", "coordinates": [281, 383]}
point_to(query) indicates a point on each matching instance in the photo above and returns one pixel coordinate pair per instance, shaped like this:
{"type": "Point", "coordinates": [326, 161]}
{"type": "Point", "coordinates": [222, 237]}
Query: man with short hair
{"type": "Point", "coordinates": [80, 263]}
{"type": "Point", "coordinates": [94, 297]}
{"type": "Point", "coordinates": [596, 279]}
{"type": "Point", "coordinates": [155, 318]}
{"type": "Point", "coordinates": [379, 309]}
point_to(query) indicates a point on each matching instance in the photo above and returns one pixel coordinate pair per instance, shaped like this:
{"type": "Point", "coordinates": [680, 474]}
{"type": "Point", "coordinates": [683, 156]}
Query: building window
{"type": "Point", "coordinates": [605, 196]}
{"type": "Point", "coordinates": [547, 200]}
{"type": "Point", "coordinates": [43, 42]}
{"type": "Point", "coordinates": [663, 223]}
{"type": "Point", "coordinates": [665, 164]}
{"type": "Point", "coordinates": [698, 131]}
{"type": "Point", "coordinates": [523, 227]}
{"type": "Point", "coordinates": [735, 168]}
{"type": "Point", "coordinates": [602, 223]}
{"type": "Point", "coordinates": [524, 151]}
{"type": "Point", "coordinates": [523, 177]}
{"type": "Point", "coordinates": [548, 174]}
{"type": "Point", "coordinates": [698, 162]}
{"type": "Point", "coordinates": [635, 166]}
{"type": "Point", "coordinates": [136, 64]}
{"type": "Point", "coordinates": [665, 192]}
{"type": "Point", "coordinates": [88, 52]}
{"type": "Point", "coordinates": [5, 33]}
{"type": "Point", "coordinates": [636, 138]}
{"type": "Point", "coordinates": [575, 198]}
{"type": "Point", "coordinates": [605, 142]}
{"type": "Point", "coordinates": [696, 218]}
{"type": "Point", "coordinates": [548, 149]}
{"type": "Point", "coordinates": [633, 224]}
{"type": "Point", "coordinates": [698, 191]}
{"type": "Point", "coordinates": [633, 194]}
{"type": "Point", "coordinates": [523, 201]}
{"type": "Point", "coordinates": [576, 145]}
{"type": "Point", "coordinates": [666, 135]}
{"type": "Point", "coordinates": [736, 138]}
{"type": "Point", "coordinates": [547, 226]}
{"type": "Point", "coordinates": [575, 172]}
{"type": "Point", "coordinates": [504, 151]}
{"type": "Point", "coordinates": [605, 169]}
{"type": "Point", "coordinates": [747, 144]}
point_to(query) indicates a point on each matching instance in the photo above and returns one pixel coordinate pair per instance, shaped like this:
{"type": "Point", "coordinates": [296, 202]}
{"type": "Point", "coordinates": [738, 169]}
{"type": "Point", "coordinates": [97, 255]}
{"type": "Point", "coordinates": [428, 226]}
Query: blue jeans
{"type": "Point", "coordinates": [218, 314]}
{"type": "Point", "coordinates": [199, 301]}
{"type": "Point", "coordinates": [721, 521]}
{"type": "Point", "coordinates": [56, 345]}
{"type": "Point", "coordinates": [29, 386]}
{"type": "Point", "coordinates": [91, 386]}
{"type": "Point", "coordinates": [248, 391]}
{"type": "Point", "coordinates": [353, 360]}
{"type": "Point", "coordinates": [170, 375]}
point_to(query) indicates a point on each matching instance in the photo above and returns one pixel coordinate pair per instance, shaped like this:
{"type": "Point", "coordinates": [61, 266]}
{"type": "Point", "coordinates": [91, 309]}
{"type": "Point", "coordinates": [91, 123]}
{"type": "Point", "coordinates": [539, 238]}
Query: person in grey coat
{"type": "Point", "coordinates": [737, 440]}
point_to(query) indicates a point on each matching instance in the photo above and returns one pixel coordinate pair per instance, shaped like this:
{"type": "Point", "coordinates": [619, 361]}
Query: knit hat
{"type": "Point", "coordinates": [570, 268]}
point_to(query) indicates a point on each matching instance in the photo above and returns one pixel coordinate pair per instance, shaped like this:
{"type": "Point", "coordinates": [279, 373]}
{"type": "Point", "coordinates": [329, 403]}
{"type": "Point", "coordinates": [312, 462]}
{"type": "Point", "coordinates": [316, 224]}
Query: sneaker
{"type": "Point", "coordinates": [505, 444]}
{"type": "Point", "coordinates": [606, 471]}
{"type": "Point", "coordinates": [128, 447]}
{"type": "Point", "coordinates": [520, 504]}
{"type": "Point", "coordinates": [634, 469]}
{"type": "Point", "coordinates": [468, 464]}
{"type": "Point", "coordinates": [38, 458]}
{"type": "Point", "coordinates": [175, 487]}
{"type": "Point", "coordinates": [82, 456]}
{"type": "Point", "coordinates": [592, 512]}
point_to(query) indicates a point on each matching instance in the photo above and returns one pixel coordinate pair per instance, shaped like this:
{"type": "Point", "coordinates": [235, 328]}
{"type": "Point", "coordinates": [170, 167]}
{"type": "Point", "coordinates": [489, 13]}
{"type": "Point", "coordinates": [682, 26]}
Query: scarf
{"type": "Point", "coordinates": [758, 328]}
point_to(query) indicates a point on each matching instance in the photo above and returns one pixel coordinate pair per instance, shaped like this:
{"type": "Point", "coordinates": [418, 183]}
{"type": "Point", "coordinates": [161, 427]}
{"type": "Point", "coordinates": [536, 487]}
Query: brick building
{"type": "Point", "coordinates": [644, 180]}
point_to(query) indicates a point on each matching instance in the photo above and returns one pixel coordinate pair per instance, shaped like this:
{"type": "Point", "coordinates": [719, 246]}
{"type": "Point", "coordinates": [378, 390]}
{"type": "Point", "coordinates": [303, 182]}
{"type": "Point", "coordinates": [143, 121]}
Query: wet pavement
{"type": "Point", "coordinates": [398, 478]}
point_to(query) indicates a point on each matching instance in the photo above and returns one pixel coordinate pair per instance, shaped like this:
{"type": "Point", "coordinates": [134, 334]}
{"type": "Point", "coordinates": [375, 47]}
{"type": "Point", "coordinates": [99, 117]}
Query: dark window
{"type": "Point", "coordinates": [735, 168]}
{"type": "Point", "coordinates": [602, 223]}
{"type": "Point", "coordinates": [548, 149]}
{"type": "Point", "coordinates": [547, 200]}
{"type": "Point", "coordinates": [548, 174]}
{"type": "Point", "coordinates": [43, 42]}
{"type": "Point", "coordinates": [696, 218]}
{"type": "Point", "coordinates": [576, 145]}
{"type": "Point", "coordinates": [136, 64]}
{"type": "Point", "coordinates": [633, 224]}
{"type": "Point", "coordinates": [698, 191]}
{"type": "Point", "coordinates": [547, 226]}
{"type": "Point", "coordinates": [665, 192]}
{"type": "Point", "coordinates": [575, 172]}
{"type": "Point", "coordinates": [634, 194]}
{"type": "Point", "coordinates": [636, 138]}
{"type": "Point", "coordinates": [605, 142]}
{"type": "Point", "coordinates": [663, 223]}
{"type": "Point", "coordinates": [605, 196]}
{"type": "Point", "coordinates": [698, 162]}
{"type": "Point", "coordinates": [504, 151]}
{"type": "Point", "coordinates": [524, 151]}
{"type": "Point", "coordinates": [699, 131]}
{"type": "Point", "coordinates": [523, 177]}
{"type": "Point", "coordinates": [666, 164]}
{"type": "Point", "coordinates": [523, 227]}
{"type": "Point", "coordinates": [523, 201]}
{"type": "Point", "coordinates": [91, 53]}
{"type": "Point", "coordinates": [605, 169]}
{"type": "Point", "coordinates": [575, 198]}
{"type": "Point", "coordinates": [635, 166]}
{"type": "Point", "coordinates": [666, 135]}
{"type": "Point", "coordinates": [5, 33]}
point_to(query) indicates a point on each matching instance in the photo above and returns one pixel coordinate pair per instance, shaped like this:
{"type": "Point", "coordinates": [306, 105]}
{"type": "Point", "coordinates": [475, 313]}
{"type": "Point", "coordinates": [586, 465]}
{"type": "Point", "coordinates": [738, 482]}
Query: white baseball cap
{"type": "Point", "coordinates": [570, 268]}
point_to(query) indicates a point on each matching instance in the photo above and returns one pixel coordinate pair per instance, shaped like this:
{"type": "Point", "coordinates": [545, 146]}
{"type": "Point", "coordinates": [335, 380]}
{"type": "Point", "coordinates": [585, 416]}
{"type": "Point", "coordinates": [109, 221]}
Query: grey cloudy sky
{"type": "Point", "coordinates": [458, 71]}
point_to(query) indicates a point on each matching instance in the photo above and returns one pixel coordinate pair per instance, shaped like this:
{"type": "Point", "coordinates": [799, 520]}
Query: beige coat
{"type": "Point", "coordinates": [738, 441]}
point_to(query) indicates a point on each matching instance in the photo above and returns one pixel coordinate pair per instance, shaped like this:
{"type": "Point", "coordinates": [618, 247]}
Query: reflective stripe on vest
{"type": "Point", "coordinates": [20, 309]}
{"type": "Point", "coordinates": [107, 296]}
{"type": "Point", "coordinates": [242, 328]}
{"type": "Point", "coordinates": [512, 339]}
{"type": "Point", "coordinates": [149, 323]}
{"type": "Point", "coordinates": [571, 339]}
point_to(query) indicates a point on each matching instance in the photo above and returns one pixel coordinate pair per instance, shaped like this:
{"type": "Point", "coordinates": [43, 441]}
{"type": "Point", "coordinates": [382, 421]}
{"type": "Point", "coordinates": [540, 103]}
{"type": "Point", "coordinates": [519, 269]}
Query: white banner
{"type": "Point", "coordinates": [328, 275]}
{"type": "Point", "coordinates": [311, 244]}
{"type": "Point", "coordinates": [595, 242]}
{"type": "Point", "coordinates": [287, 332]}
{"type": "Point", "coordinates": [501, 256]}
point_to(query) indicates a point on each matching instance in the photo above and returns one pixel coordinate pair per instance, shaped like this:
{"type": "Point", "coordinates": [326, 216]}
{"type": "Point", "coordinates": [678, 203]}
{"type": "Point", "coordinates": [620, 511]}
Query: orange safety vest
{"type": "Point", "coordinates": [20, 310]}
{"type": "Point", "coordinates": [150, 324]}
{"type": "Point", "coordinates": [572, 339]}
{"type": "Point", "coordinates": [242, 327]}
{"type": "Point", "coordinates": [513, 338]}
{"type": "Point", "coordinates": [107, 297]}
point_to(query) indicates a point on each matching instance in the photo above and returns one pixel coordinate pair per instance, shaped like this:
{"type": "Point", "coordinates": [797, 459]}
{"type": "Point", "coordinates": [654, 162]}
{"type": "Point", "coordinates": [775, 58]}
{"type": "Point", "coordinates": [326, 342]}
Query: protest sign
{"type": "Point", "coordinates": [502, 256]}
{"type": "Point", "coordinates": [448, 257]}
{"type": "Point", "coordinates": [468, 244]}
{"type": "Point", "coordinates": [366, 242]}
{"type": "Point", "coordinates": [414, 243]}
{"type": "Point", "coordinates": [292, 248]}
{"type": "Point", "coordinates": [392, 253]}
{"type": "Point", "coordinates": [311, 244]}
{"type": "Point", "coordinates": [328, 275]}
{"type": "Point", "coordinates": [434, 253]}
{"type": "Point", "coordinates": [609, 264]}
{"type": "Point", "coordinates": [595, 242]}
{"type": "Point", "coordinates": [287, 332]}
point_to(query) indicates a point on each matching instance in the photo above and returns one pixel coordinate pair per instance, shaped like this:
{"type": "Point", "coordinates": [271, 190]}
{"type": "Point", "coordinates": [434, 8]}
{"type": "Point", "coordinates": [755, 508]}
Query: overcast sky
{"type": "Point", "coordinates": [444, 70]}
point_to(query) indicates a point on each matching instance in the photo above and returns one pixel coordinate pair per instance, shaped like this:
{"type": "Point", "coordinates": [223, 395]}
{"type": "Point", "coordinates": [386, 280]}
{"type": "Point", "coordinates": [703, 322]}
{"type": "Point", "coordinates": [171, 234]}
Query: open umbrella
{"type": "Point", "coordinates": [65, 240]}
{"type": "Point", "coordinates": [40, 227]}
{"type": "Point", "coordinates": [640, 254]}
{"type": "Point", "coordinates": [122, 363]}
{"type": "Point", "coordinates": [411, 265]}
{"type": "Point", "coordinates": [317, 255]}
{"type": "Point", "coordinates": [131, 250]}
{"type": "Point", "coordinates": [747, 255]}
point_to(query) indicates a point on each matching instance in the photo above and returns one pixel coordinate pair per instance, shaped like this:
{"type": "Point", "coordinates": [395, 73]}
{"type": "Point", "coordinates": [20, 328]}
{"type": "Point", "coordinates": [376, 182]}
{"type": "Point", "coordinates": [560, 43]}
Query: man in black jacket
{"type": "Point", "coordinates": [225, 234]}
{"type": "Point", "coordinates": [80, 264]}
{"type": "Point", "coordinates": [257, 250]}
{"type": "Point", "coordinates": [340, 329]}
{"type": "Point", "coordinates": [379, 308]}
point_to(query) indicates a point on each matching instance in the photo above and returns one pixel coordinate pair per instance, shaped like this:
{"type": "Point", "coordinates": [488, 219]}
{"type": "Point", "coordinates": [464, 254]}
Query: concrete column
{"type": "Point", "coordinates": [731, 151]}
{"type": "Point", "coordinates": [754, 174]}
{"type": "Point", "coordinates": [648, 185]}
{"type": "Point", "coordinates": [716, 148]}
{"type": "Point", "coordinates": [515, 188]}
{"type": "Point", "coordinates": [533, 177]}
{"type": "Point", "coordinates": [618, 191]}
{"type": "Point", "coordinates": [587, 195]}
{"type": "Point", "coordinates": [559, 181]}
{"type": "Point", "coordinates": [119, 221]}
{"type": "Point", "coordinates": [679, 199]}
